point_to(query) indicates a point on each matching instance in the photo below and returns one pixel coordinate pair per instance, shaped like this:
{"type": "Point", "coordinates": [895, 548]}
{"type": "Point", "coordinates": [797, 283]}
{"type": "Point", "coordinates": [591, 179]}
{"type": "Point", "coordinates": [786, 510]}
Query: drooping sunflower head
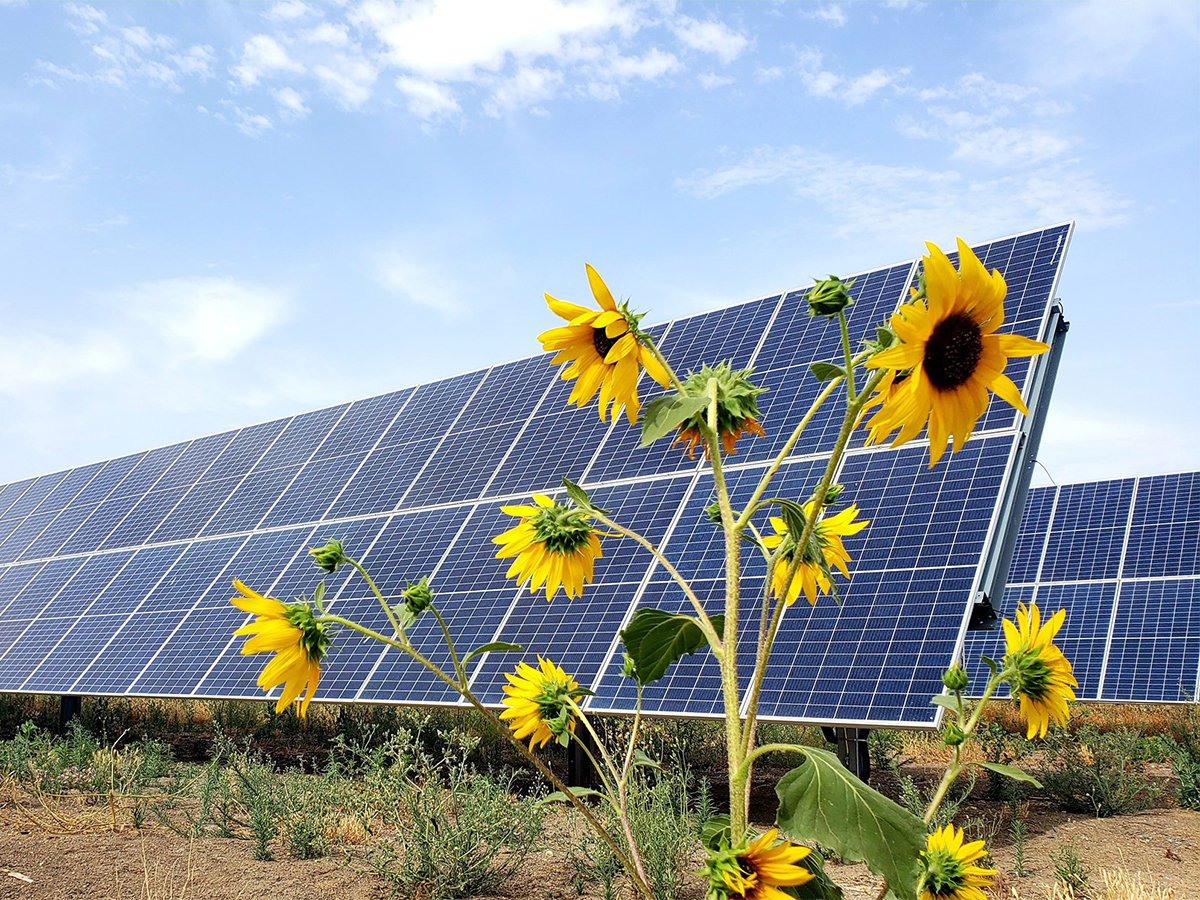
{"type": "Point", "coordinates": [293, 634]}
{"type": "Point", "coordinates": [947, 872]}
{"type": "Point", "coordinates": [606, 350]}
{"type": "Point", "coordinates": [949, 355]}
{"type": "Point", "coordinates": [737, 408]}
{"type": "Point", "coordinates": [553, 545]}
{"type": "Point", "coordinates": [825, 552]}
{"type": "Point", "coordinates": [1038, 673]}
{"type": "Point", "coordinates": [755, 870]}
{"type": "Point", "coordinates": [540, 703]}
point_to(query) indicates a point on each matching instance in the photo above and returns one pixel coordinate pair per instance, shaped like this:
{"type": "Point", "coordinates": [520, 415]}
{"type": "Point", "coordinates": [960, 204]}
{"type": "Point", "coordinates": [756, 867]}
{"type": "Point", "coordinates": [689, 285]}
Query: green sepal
{"type": "Point", "coordinates": [991, 664]}
{"type": "Point", "coordinates": [579, 495]}
{"type": "Point", "coordinates": [821, 887]}
{"type": "Point", "coordinates": [656, 638]}
{"type": "Point", "coordinates": [663, 415]}
{"type": "Point", "coordinates": [715, 831]}
{"type": "Point", "coordinates": [1012, 772]}
{"type": "Point", "coordinates": [493, 647]}
{"type": "Point", "coordinates": [319, 597]}
{"type": "Point", "coordinates": [824, 371]}
{"type": "Point", "coordinates": [821, 801]}
{"type": "Point", "coordinates": [560, 797]}
{"type": "Point", "coordinates": [404, 615]}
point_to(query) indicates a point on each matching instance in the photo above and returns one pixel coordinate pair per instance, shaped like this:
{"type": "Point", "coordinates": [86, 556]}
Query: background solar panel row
{"type": "Point", "coordinates": [115, 577]}
{"type": "Point", "coordinates": [1123, 558]}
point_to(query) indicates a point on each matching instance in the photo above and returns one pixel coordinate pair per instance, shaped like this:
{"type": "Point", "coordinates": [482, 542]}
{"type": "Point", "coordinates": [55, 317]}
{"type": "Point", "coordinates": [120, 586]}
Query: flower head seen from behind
{"type": "Point", "coordinates": [827, 537]}
{"type": "Point", "coordinates": [950, 354]}
{"type": "Point", "coordinates": [293, 634]}
{"type": "Point", "coordinates": [554, 545]}
{"type": "Point", "coordinates": [755, 871]}
{"type": "Point", "coordinates": [737, 408]}
{"type": "Point", "coordinates": [540, 703]}
{"type": "Point", "coordinates": [947, 872]}
{"type": "Point", "coordinates": [603, 349]}
{"type": "Point", "coordinates": [1040, 676]}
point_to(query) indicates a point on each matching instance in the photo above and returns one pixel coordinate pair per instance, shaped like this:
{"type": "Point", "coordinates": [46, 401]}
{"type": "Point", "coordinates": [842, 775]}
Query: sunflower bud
{"type": "Point", "coordinates": [417, 597]}
{"type": "Point", "coordinates": [832, 493]}
{"type": "Point", "coordinates": [952, 735]}
{"type": "Point", "coordinates": [829, 297]}
{"type": "Point", "coordinates": [737, 408]}
{"type": "Point", "coordinates": [628, 667]}
{"type": "Point", "coordinates": [328, 557]}
{"type": "Point", "coordinates": [955, 679]}
{"type": "Point", "coordinates": [713, 511]}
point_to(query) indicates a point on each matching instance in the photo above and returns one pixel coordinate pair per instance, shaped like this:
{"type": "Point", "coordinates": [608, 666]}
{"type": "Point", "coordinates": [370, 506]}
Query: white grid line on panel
{"type": "Point", "coordinates": [350, 478]}
{"type": "Point", "coordinates": [1112, 621]}
{"type": "Point", "coordinates": [1045, 542]}
{"type": "Point", "coordinates": [35, 617]}
{"type": "Point", "coordinates": [483, 491]}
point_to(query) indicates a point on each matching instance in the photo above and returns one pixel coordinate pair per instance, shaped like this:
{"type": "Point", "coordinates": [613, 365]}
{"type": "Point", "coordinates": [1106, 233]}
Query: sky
{"type": "Point", "coordinates": [216, 214]}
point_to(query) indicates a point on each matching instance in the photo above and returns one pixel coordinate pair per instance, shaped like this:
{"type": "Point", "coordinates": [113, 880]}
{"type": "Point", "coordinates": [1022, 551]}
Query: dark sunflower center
{"type": "Point", "coordinates": [953, 351]}
{"type": "Point", "coordinates": [602, 342]}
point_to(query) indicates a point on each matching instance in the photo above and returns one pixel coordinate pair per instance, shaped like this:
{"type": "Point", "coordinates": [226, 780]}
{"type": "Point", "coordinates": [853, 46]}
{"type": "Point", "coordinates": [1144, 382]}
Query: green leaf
{"type": "Point", "coordinates": [714, 830]}
{"type": "Point", "coordinates": [579, 495]}
{"type": "Point", "coordinates": [947, 701]}
{"type": "Point", "coordinates": [991, 664]}
{"type": "Point", "coordinates": [493, 647]}
{"type": "Point", "coordinates": [821, 887]}
{"type": "Point", "coordinates": [656, 638]}
{"type": "Point", "coordinates": [640, 758]}
{"type": "Point", "coordinates": [821, 801]}
{"type": "Point", "coordinates": [884, 337]}
{"type": "Point", "coordinates": [663, 415]}
{"type": "Point", "coordinates": [824, 371]}
{"type": "Point", "coordinates": [1012, 772]}
{"type": "Point", "coordinates": [560, 797]}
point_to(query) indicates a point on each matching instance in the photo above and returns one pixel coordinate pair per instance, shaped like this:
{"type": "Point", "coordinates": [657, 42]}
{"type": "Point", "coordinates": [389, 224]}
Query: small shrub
{"type": "Point", "coordinates": [1097, 772]}
{"type": "Point", "coordinates": [1070, 870]}
{"type": "Point", "coordinates": [917, 800]}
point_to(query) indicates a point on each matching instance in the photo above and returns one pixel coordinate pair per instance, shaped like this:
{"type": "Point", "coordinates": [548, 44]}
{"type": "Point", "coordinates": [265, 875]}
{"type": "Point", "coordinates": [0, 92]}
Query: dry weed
{"type": "Point", "coordinates": [1119, 884]}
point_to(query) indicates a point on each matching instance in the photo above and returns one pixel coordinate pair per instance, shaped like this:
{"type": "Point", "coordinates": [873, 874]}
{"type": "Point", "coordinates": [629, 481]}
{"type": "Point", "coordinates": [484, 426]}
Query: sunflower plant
{"type": "Point", "coordinates": [929, 369]}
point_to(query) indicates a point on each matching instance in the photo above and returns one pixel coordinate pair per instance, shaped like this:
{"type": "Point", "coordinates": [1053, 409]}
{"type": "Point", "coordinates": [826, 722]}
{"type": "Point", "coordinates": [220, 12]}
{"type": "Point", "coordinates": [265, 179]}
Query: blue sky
{"type": "Point", "coordinates": [212, 215]}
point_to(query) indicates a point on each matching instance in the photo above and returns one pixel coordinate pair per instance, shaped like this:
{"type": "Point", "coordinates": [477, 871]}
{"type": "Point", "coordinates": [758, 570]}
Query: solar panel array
{"type": "Point", "coordinates": [1123, 558]}
{"type": "Point", "coordinates": [115, 576]}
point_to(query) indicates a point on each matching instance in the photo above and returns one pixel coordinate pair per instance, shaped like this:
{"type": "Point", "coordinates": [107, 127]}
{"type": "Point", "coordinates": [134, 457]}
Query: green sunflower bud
{"type": "Point", "coordinates": [713, 511]}
{"type": "Point", "coordinates": [417, 597]}
{"type": "Point", "coordinates": [955, 679]}
{"type": "Point", "coordinates": [328, 557]}
{"type": "Point", "coordinates": [829, 297]}
{"type": "Point", "coordinates": [833, 492]}
{"type": "Point", "coordinates": [952, 735]}
{"type": "Point", "coordinates": [628, 667]}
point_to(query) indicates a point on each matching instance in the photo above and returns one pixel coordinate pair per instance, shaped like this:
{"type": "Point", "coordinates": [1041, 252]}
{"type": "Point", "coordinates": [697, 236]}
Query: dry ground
{"type": "Point", "coordinates": [154, 864]}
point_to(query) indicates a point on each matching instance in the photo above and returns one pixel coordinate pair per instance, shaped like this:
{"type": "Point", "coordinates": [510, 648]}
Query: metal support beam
{"type": "Point", "coordinates": [852, 750]}
{"type": "Point", "coordinates": [580, 770]}
{"type": "Point", "coordinates": [71, 708]}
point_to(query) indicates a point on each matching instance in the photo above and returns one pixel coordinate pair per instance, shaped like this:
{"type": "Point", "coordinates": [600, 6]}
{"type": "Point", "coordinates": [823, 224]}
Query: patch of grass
{"type": "Point", "coordinates": [1098, 772]}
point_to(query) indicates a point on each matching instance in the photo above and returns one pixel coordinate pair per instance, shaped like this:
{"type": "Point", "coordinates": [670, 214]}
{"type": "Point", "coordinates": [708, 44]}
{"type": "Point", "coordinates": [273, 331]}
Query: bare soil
{"type": "Point", "coordinates": [153, 863]}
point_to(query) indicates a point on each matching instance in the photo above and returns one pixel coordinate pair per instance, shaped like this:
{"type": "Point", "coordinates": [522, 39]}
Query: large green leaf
{"type": "Point", "coordinates": [655, 638]}
{"type": "Point", "coordinates": [821, 887]}
{"type": "Point", "coordinates": [825, 370]}
{"type": "Point", "coordinates": [493, 647]}
{"type": "Point", "coordinates": [821, 801]}
{"type": "Point", "coordinates": [662, 416]}
{"type": "Point", "coordinates": [1012, 772]}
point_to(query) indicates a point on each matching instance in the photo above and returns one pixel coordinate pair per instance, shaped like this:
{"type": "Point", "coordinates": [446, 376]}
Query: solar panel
{"type": "Point", "coordinates": [1123, 558]}
{"type": "Point", "coordinates": [115, 577]}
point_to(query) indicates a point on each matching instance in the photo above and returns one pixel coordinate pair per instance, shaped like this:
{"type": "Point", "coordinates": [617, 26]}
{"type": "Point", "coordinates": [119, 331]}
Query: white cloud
{"type": "Point", "coordinates": [32, 362]}
{"type": "Point", "coordinates": [292, 102]}
{"type": "Point", "coordinates": [833, 14]}
{"type": "Point", "coordinates": [198, 61]}
{"type": "Point", "coordinates": [1096, 443]}
{"type": "Point", "coordinates": [711, 37]}
{"type": "Point", "coordinates": [327, 33]}
{"type": "Point", "coordinates": [427, 99]}
{"type": "Point", "coordinates": [263, 55]}
{"type": "Point", "coordinates": [250, 123]}
{"type": "Point", "coordinates": [289, 11]}
{"type": "Point", "coordinates": [414, 280]}
{"type": "Point", "coordinates": [820, 82]}
{"type": "Point", "coordinates": [349, 78]}
{"type": "Point", "coordinates": [886, 203]}
{"type": "Point", "coordinates": [208, 320]}
{"type": "Point", "coordinates": [526, 88]}
{"type": "Point", "coordinates": [1010, 146]}
{"type": "Point", "coordinates": [85, 19]}
{"type": "Point", "coordinates": [711, 80]}
{"type": "Point", "coordinates": [653, 64]}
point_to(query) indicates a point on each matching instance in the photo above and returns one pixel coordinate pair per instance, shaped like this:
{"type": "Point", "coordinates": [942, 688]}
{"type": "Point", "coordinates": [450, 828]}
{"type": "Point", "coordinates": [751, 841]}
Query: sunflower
{"type": "Point", "coordinates": [293, 634]}
{"type": "Point", "coordinates": [1039, 674]}
{"type": "Point", "coordinates": [756, 871]}
{"type": "Point", "coordinates": [737, 408]}
{"type": "Point", "coordinates": [827, 536]}
{"type": "Point", "coordinates": [539, 704]}
{"type": "Point", "coordinates": [554, 545]}
{"type": "Point", "coordinates": [604, 350]}
{"type": "Point", "coordinates": [951, 353]}
{"type": "Point", "coordinates": [946, 870]}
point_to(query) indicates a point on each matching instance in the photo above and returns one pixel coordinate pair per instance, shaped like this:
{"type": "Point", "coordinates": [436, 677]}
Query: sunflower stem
{"type": "Point", "coordinates": [748, 762]}
{"type": "Point", "coordinates": [546, 772]}
{"type": "Point", "coordinates": [956, 766]}
{"type": "Point", "coordinates": [458, 666]}
{"type": "Point", "coordinates": [379, 596]}
{"type": "Point", "coordinates": [705, 622]}
{"type": "Point", "coordinates": [848, 355]}
{"type": "Point", "coordinates": [608, 763]}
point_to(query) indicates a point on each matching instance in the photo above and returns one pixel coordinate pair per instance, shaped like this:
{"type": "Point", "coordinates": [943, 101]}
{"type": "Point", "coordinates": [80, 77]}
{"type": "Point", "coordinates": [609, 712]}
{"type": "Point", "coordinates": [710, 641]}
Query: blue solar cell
{"type": "Point", "coordinates": [1031, 538]}
{"type": "Point", "coordinates": [557, 445]}
{"type": "Point", "coordinates": [195, 460]}
{"type": "Point", "coordinates": [509, 393]}
{"type": "Point", "coordinates": [36, 493]}
{"type": "Point", "coordinates": [1088, 531]}
{"type": "Point", "coordinates": [57, 532]}
{"type": "Point", "coordinates": [55, 668]}
{"type": "Point", "coordinates": [301, 438]}
{"type": "Point", "coordinates": [246, 448]}
{"type": "Point", "coordinates": [26, 532]}
{"type": "Point", "coordinates": [116, 663]}
{"type": "Point", "coordinates": [110, 476]}
{"type": "Point", "coordinates": [96, 573]}
{"type": "Point", "coordinates": [1164, 535]}
{"type": "Point", "coordinates": [70, 487]}
{"type": "Point", "coordinates": [195, 572]}
{"type": "Point", "coordinates": [41, 590]}
{"type": "Point", "coordinates": [383, 479]}
{"type": "Point", "coordinates": [1155, 651]}
{"type": "Point", "coordinates": [313, 490]}
{"type": "Point", "coordinates": [11, 493]}
{"type": "Point", "coordinates": [12, 581]}
{"type": "Point", "coordinates": [96, 527]}
{"type": "Point", "coordinates": [250, 501]}
{"type": "Point", "coordinates": [148, 470]}
{"type": "Point", "coordinates": [461, 467]}
{"type": "Point", "coordinates": [136, 580]}
{"type": "Point", "coordinates": [362, 425]}
{"type": "Point", "coordinates": [146, 515]}
{"type": "Point", "coordinates": [432, 409]}
{"type": "Point", "coordinates": [300, 577]}
{"type": "Point", "coordinates": [194, 510]}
